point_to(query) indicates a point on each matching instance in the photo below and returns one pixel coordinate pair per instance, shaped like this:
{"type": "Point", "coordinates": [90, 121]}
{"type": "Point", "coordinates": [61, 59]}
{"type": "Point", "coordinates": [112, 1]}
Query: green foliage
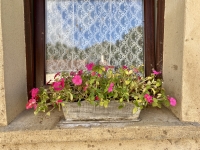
{"type": "Point", "coordinates": [101, 85]}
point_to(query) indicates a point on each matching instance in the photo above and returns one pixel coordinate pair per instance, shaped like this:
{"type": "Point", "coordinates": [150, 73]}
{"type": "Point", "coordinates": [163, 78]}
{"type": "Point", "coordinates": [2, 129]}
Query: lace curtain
{"type": "Point", "coordinates": [99, 31]}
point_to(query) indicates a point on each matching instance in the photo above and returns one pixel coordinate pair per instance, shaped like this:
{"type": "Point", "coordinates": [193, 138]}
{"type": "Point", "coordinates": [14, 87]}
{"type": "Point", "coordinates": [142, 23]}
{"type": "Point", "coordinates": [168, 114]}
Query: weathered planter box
{"type": "Point", "coordinates": [88, 112]}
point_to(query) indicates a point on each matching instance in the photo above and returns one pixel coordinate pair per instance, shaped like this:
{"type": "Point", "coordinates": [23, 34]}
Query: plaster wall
{"type": "Point", "coordinates": [12, 62]}
{"type": "Point", "coordinates": [181, 67]}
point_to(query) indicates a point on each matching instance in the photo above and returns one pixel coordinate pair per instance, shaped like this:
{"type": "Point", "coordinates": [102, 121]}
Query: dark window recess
{"type": "Point", "coordinates": [35, 39]}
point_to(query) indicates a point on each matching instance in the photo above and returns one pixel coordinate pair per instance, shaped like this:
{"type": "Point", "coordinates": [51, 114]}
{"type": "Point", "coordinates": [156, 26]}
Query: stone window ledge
{"type": "Point", "coordinates": [156, 124]}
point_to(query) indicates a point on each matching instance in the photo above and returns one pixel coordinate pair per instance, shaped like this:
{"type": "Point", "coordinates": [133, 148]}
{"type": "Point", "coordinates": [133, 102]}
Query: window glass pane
{"type": "Point", "coordinates": [100, 31]}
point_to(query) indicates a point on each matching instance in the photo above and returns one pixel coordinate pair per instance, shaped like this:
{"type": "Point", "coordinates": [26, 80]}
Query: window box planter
{"type": "Point", "coordinates": [101, 93]}
{"type": "Point", "coordinates": [88, 112]}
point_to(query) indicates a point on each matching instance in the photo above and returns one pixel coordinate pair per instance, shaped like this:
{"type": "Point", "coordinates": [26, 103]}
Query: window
{"type": "Point", "coordinates": [42, 42]}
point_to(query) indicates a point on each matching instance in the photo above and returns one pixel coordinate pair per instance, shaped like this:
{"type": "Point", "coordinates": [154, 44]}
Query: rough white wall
{"type": "Point", "coordinates": [13, 59]}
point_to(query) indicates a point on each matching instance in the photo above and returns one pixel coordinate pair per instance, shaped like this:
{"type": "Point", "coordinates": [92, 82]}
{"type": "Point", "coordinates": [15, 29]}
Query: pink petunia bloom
{"type": "Point", "coordinates": [59, 101]}
{"type": "Point", "coordinates": [34, 92]}
{"type": "Point", "coordinates": [99, 75]}
{"type": "Point", "coordinates": [110, 89]}
{"type": "Point", "coordinates": [90, 66]}
{"type": "Point", "coordinates": [135, 70]}
{"type": "Point", "coordinates": [77, 80]}
{"type": "Point", "coordinates": [96, 98]}
{"type": "Point", "coordinates": [72, 73]}
{"type": "Point", "coordinates": [93, 73]}
{"type": "Point", "coordinates": [59, 85]}
{"type": "Point", "coordinates": [31, 104]}
{"type": "Point", "coordinates": [148, 98]}
{"type": "Point", "coordinates": [85, 88]}
{"type": "Point", "coordinates": [172, 101]}
{"type": "Point", "coordinates": [156, 72]}
{"type": "Point", "coordinates": [57, 74]}
{"type": "Point", "coordinates": [125, 67]}
{"type": "Point", "coordinates": [80, 72]}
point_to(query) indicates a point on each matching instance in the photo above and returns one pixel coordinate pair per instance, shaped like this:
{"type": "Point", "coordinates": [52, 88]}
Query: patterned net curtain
{"type": "Point", "coordinates": [100, 31]}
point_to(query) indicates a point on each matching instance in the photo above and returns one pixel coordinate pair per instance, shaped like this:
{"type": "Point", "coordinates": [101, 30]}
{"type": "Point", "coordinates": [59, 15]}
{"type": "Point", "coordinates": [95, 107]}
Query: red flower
{"type": "Point", "coordinates": [72, 73]}
{"type": "Point", "coordinates": [93, 73]}
{"type": "Point", "coordinates": [80, 72]}
{"type": "Point", "coordinates": [77, 80]}
{"type": "Point", "coordinates": [90, 66]}
{"type": "Point", "coordinates": [156, 72]}
{"type": "Point", "coordinates": [85, 88]}
{"type": "Point", "coordinates": [125, 67]}
{"type": "Point", "coordinates": [96, 98]}
{"type": "Point", "coordinates": [59, 85]}
{"type": "Point", "coordinates": [172, 101]}
{"type": "Point", "coordinates": [110, 89]}
{"type": "Point", "coordinates": [31, 104]}
{"type": "Point", "coordinates": [148, 98]}
{"type": "Point", "coordinates": [59, 101]}
{"type": "Point", "coordinates": [34, 92]}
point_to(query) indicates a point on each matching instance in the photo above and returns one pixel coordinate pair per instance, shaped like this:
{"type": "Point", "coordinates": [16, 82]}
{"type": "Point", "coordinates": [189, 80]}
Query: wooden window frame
{"type": "Point", "coordinates": [35, 39]}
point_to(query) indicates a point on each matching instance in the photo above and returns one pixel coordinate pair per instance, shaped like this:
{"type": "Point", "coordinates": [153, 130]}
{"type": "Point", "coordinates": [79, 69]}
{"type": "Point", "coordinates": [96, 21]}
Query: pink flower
{"type": "Point", "coordinates": [90, 66]}
{"type": "Point", "coordinates": [34, 92]}
{"type": "Point", "coordinates": [80, 72]}
{"type": "Point", "coordinates": [31, 104]}
{"type": "Point", "coordinates": [85, 88]}
{"type": "Point", "coordinates": [96, 98]}
{"type": "Point", "coordinates": [57, 74]}
{"type": "Point", "coordinates": [59, 101]}
{"type": "Point", "coordinates": [93, 73]}
{"type": "Point", "coordinates": [77, 80]}
{"type": "Point", "coordinates": [125, 67]}
{"type": "Point", "coordinates": [148, 98]}
{"type": "Point", "coordinates": [135, 70]}
{"type": "Point", "coordinates": [59, 85]}
{"type": "Point", "coordinates": [172, 101]}
{"type": "Point", "coordinates": [156, 72]}
{"type": "Point", "coordinates": [72, 73]}
{"type": "Point", "coordinates": [110, 89]}
{"type": "Point", "coordinates": [99, 75]}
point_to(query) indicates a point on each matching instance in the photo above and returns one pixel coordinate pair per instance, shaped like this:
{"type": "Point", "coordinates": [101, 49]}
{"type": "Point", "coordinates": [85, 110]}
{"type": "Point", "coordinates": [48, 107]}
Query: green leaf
{"type": "Point", "coordinates": [101, 103]}
{"type": "Point", "coordinates": [135, 109]}
{"type": "Point", "coordinates": [71, 96]}
{"type": "Point", "coordinates": [92, 81]}
{"type": "Point", "coordinates": [127, 82]}
{"type": "Point", "coordinates": [120, 106]}
{"type": "Point", "coordinates": [105, 104]}
{"type": "Point", "coordinates": [121, 100]}
{"type": "Point", "coordinates": [48, 113]}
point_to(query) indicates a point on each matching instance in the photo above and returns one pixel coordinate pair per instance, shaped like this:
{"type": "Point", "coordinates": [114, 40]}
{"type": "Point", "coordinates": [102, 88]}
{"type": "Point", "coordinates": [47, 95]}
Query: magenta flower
{"type": "Point", "coordinates": [31, 104]}
{"type": "Point", "coordinates": [85, 88]}
{"type": "Point", "coordinates": [57, 74]}
{"type": "Point", "coordinates": [135, 70]}
{"type": "Point", "coordinates": [148, 98]}
{"type": "Point", "coordinates": [96, 98]}
{"type": "Point", "coordinates": [90, 66]}
{"type": "Point", "coordinates": [72, 73]}
{"type": "Point", "coordinates": [77, 80]}
{"type": "Point", "coordinates": [156, 72]}
{"type": "Point", "coordinates": [34, 92]}
{"type": "Point", "coordinates": [59, 101]}
{"type": "Point", "coordinates": [125, 67]}
{"type": "Point", "coordinates": [59, 85]}
{"type": "Point", "coordinates": [93, 73]}
{"type": "Point", "coordinates": [80, 72]}
{"type": "Point", "coordinates": [110, 89]}
{"type": "Point", "coordinates": [172, 101]}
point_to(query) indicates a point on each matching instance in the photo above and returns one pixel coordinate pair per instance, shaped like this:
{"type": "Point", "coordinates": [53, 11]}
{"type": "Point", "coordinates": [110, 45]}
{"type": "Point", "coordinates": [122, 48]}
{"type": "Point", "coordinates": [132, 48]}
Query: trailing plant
{"type": "Point", "coordinates": [99, 85]}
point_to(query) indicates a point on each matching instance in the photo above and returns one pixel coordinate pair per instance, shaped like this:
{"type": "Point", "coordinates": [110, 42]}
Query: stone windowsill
{"type": "Point", "coordinates": [156, 124]}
